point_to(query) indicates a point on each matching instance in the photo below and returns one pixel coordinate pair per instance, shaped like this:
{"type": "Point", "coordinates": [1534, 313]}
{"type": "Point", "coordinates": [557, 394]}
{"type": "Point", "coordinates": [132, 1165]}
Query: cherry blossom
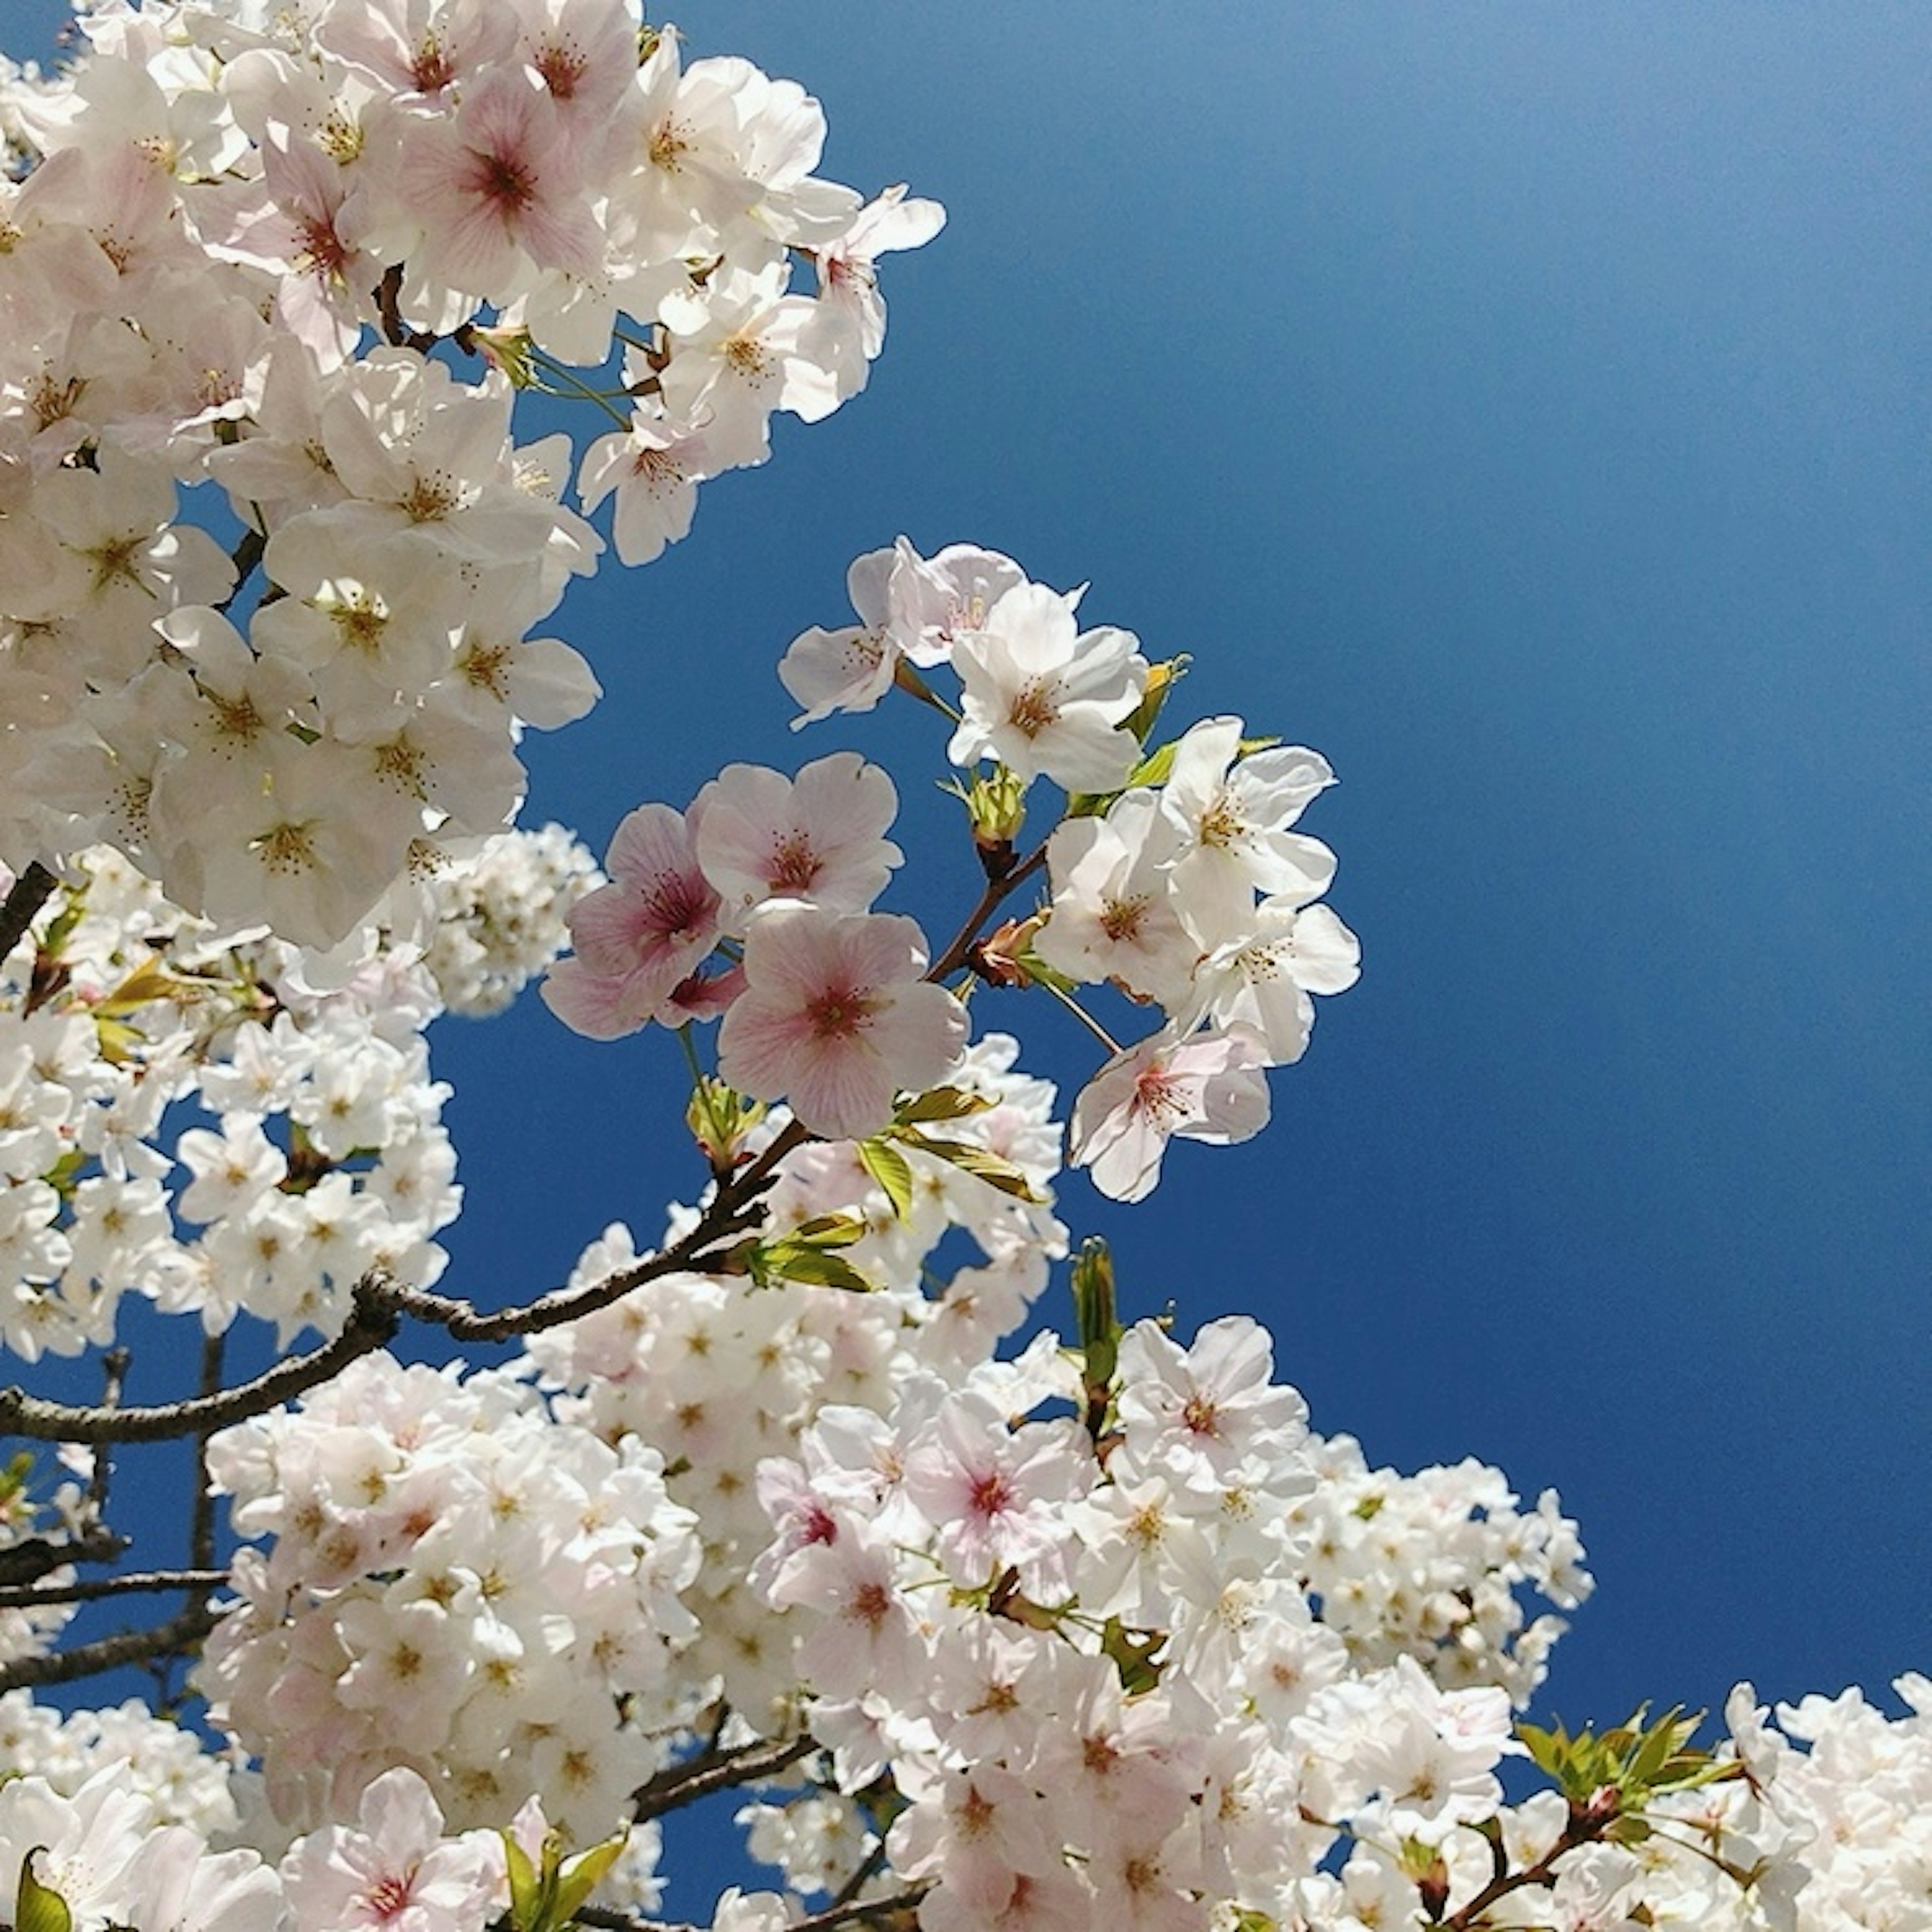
{"type": "Point", "coordinates": [835, 1018]}
{"type": "Point", "coordinates": [1043, 700]}
{"type": "Point", "coordinates": [1206, 1088]}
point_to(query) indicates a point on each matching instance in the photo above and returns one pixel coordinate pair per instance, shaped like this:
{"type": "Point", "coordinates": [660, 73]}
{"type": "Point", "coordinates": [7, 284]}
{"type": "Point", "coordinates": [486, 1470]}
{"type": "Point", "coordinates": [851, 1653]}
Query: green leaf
{"type": "Point", "coordinates": [813, 1266]}
{"type": "Point", "coordinates": [38, 1907]}
{"type": "Point", "coordinates": [1131, 1653]}
{"type": "Point", "coordinates": [888, 1167]}
{"type": "Point", "coordinates": [525, 1888]}
{"type": "Point", "coordinates": [980, 1161]}
{"type": "Point", "coordinates": [581, 1876]}
{"type": "Point", "coordinates": [827, 1231]}
{"type": "Point", "coordinates": [943, 1103]}
{"type": "Point", "coordinates": [1162, 678]}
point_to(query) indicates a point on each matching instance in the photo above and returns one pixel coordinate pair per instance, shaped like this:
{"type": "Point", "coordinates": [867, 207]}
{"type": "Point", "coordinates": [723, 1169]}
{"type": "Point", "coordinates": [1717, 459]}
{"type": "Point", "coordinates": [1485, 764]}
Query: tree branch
{"type": "Point", "coordinates": [955, 955]}
{"type": "Point", "coordinates": [732, 1212]}
{"type": "Point", "coordinates": [372, 1323]}
{"type": "Point", "coordinates": [85, 1591]}
{"type": "Point", "coordinates": [685, 1783]}
{"type": "Point", "coordinates": [31, 891]}
{"type": "Point", "coordinates": [109, 1653]}
{"type": "Point", "coordinates": [858, 1912]}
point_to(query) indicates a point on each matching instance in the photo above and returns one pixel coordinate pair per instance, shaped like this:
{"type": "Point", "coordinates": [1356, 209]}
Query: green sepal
{"type": "Point", "coordinates": [1097, 1317]}
{"type": "Point", "coordinates": [38, 1907]}
{"type": "Point", "coordinates": [888, 1167]}
{"type": "Point", "coordinates": [511, 350]}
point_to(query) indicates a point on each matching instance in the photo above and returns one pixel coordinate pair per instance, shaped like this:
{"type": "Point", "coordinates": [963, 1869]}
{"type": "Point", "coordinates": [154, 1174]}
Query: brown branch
{"type": "Point", "coordinates": [25, 1562]}
{"type": "Point", "coordinates": [246, 555]}
{"type": "Point", "coordinates": [955, 956]}
{"type": "Point", "coordinates": [1586, 1824]}
{"type": "Point", "coordinates": [180, 1633]}
{"type": "Point", "coordinates": [31, 891]}
{"type": "Point", "coordinates": [733, 1210]}
{"type": "Point", "coordinates": [372, 1323]}
{"type": "Point", "coordinates": [685, 1783]}
{"type": "Point", "coordinates": [87, 1591]}
{"type": "Point", "coordinates": [858, 1912]}
{"type": "Point", "coordinates": [201, 1509]}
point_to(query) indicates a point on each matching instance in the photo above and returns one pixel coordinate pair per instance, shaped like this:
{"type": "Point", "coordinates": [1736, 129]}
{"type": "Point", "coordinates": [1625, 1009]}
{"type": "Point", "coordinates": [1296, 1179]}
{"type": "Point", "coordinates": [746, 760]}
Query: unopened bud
{"type": "Point", "coordinates": [719, 1117]}
{"type": "Point", "coordinates": [509, 349]}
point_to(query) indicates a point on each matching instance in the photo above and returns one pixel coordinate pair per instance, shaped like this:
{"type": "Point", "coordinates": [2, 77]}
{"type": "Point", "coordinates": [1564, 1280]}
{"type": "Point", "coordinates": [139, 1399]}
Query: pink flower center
{"type": "Point", "coordinates": [839, 1014]}
{"type": "Point", "coordinates": [562, 69]}
{"type": "Point", "coordinates": [794, 865]}
{"type": "Point", "coordinates": [991, 1492]}
{"type": "Point", "coordinates": [506, 180]}
{"type": "Point", "coordinates": [390, 1893]}
{"type": "Point", "coordinates": [1157, 1096]}
{"type": "Point", "coordinates": [432, 69]}
{"type": "Point", "coordinates": [676, 903]}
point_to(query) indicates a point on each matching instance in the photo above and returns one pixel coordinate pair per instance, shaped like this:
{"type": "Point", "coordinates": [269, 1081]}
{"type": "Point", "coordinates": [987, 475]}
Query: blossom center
{"type": "Point", "coordinates": [794, 865]}
{"type": "Point", "coordinates": [506, 180]}
{"type": "Point", "coordinates": [1034, 707]}
{"type": "Point", "coordinates": [839, 1014]}
{"type": "Point", "coordinates": [990, 1493]}
{"type": "Point", "coordinates": [1157, 1097]}
{"type": "Point", "coordinates": [390, 1893]}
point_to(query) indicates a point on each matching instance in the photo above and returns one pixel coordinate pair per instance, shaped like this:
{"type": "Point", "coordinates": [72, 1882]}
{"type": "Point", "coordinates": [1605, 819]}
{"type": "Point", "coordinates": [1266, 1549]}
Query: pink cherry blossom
{"type": "Point", "coordinates": [1208, 1088]}
{"type": "Point", "coordinates": [835, 1018]}
{"type": "Point", "coordinates": [642, 938]}
{"type": "Point", "coordinates": [818, 838]}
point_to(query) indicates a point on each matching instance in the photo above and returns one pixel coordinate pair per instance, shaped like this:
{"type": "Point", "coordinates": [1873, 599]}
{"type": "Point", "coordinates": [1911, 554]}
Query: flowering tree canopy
{"type": "Point", "coordinates": [989, 1624]}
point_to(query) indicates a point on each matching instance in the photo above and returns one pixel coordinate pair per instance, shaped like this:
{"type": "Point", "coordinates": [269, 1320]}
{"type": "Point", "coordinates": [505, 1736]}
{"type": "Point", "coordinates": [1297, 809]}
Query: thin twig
{"type": "Point", "coordinates": [23, 1563]}
{"type": "Point", "coordinates": [858, 1911]}
{"type": "Point", "coordinates": [680, 1784]}
{"type": "Point", "coordinates": [86, 1591]}
{"type": "Point", "coordinates": [733, 1210]}
{"type": "Point", "coordinates": [201, 1511]}
{"type": "Point", "coordinates": [955, 956]}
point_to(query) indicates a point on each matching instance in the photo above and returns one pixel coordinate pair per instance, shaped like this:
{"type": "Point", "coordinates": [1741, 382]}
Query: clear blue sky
{"type": "Point", "coordinates": [1527, 408]}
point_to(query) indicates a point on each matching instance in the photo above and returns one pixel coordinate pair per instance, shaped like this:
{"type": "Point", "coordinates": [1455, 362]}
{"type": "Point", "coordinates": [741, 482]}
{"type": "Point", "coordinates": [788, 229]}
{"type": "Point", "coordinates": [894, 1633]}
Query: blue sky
{"type": "Point", "coordinates": [1528, 409]}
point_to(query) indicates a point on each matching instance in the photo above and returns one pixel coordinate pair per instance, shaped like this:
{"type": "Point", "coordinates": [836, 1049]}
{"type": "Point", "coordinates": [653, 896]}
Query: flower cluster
{"type": "Point", "coordinates": [326, 1156]}
{"type": "Point", "coordinates": [826, 1004]}
{"type": "Point", "coordinates": [165, 1762]}
{"type": "Point", "coordinates": [1176, 877]}
{"type": "Point", "coordinates": [962, 1573]}
{"type": "Point", "coordinates": [241, 230]}
{"type": "Point", "coordinates": [457, 1583]}
{"type": "Point", "coordinates": [1430, 1566]}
